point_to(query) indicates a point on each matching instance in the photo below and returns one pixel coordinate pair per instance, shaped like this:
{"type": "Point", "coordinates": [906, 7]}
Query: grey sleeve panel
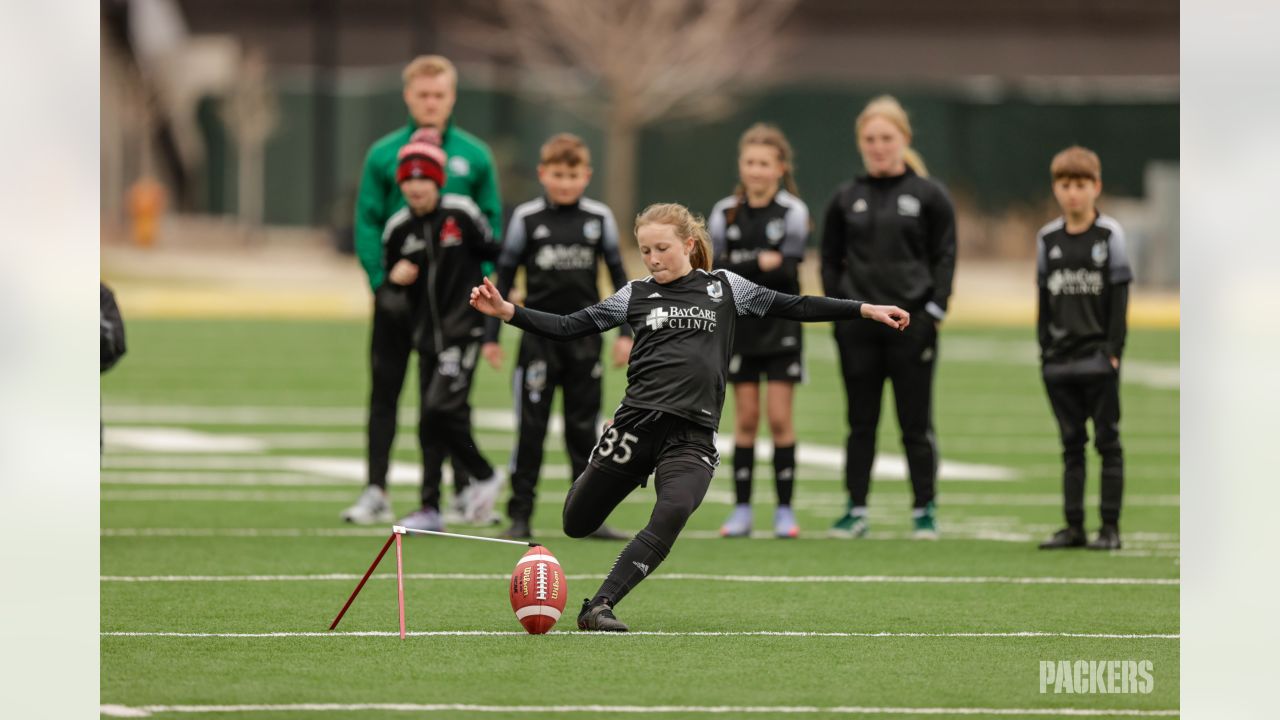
{"type": "Point", "coordinates": [609, 243]}
{"type": "Point", "coordinates": [797, 220]}
{"type": "Point", "coordinates": [716, 226]}
{"type": "Point", "coordinates": [612, 311]}
{"type": "Point", "coordinates": [513, 244]}
{"type": "Point", "coordinates": [393, 222]}
{"type": "Point", "coordinates": [1117, 251]}
{"type": "Point", "coordinates": [1042, 258]}
{"type": "Point", "coordinates": [750, 298]}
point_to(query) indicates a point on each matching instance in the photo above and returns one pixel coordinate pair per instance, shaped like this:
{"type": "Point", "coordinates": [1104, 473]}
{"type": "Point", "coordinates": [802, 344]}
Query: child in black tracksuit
{"type": "Point", "coordinates": [1083, 272]}
{"type": "Point", "coordinates": [560, 240]}
{"type": "Point", "coordinates": [434, 248]}
{"type": "Point", "coordinates": [684, 318]}
{"type": "Point", "coordinates": [760, 233]}
{"type": "Point", "coordinates": [889, 236]}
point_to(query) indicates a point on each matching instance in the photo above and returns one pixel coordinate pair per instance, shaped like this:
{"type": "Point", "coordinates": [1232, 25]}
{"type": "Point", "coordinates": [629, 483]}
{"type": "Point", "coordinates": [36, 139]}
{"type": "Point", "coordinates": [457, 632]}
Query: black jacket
{"type": "Point", "coordinates": [448, 244]}
{"type": "Point", "coordinates": [892, 241]}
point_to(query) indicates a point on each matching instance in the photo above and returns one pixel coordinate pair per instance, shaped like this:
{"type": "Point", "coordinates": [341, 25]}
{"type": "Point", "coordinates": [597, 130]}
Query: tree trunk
{"type": "Point", "coordinates": [621, 141]}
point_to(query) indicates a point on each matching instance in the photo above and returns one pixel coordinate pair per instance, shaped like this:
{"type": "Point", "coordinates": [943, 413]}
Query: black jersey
{"type": "Point", "coordinates": [1083, 283]}
{"type": "Point", "coordinates": [448, 244]}
{"type": "Point", "coordinates": [560, 247]}
{"type": "Point", "coordinates": [739, 233]}
{"type": "Point", "coordinates": [684, 333]}
{"type": "Point", "coordinates": [891, 240]}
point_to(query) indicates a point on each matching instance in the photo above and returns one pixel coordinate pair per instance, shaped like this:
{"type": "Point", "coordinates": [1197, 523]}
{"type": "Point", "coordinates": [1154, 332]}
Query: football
{"type": "Point", "coordinates": [538, 590]}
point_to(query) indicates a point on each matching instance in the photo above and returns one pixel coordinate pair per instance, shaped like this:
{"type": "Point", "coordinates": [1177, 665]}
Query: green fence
{"type": "Point", "coordinates": [995, 153]}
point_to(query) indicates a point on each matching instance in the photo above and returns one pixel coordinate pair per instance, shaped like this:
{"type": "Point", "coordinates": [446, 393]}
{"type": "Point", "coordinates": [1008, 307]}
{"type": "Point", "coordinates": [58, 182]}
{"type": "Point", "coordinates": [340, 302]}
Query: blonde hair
{"type": "Point", "coordinates": [565, 148]}
{"type": "Point", "coordinates": [1076, 162]}
{"type": "Point", "coordinates": [429, 66]}
{"type": "Point", "coordinates": [888, 107]}
{"type": "Point", "coordinates": [685, 224]}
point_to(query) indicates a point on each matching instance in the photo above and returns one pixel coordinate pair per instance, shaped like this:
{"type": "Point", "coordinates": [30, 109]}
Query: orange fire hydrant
{"type": "Point", "coordinates": [147, 199]}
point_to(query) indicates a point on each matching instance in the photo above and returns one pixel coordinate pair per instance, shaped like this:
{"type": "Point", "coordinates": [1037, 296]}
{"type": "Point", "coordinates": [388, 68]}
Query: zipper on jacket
{"type": "Point", "coordinates": [431, 285]}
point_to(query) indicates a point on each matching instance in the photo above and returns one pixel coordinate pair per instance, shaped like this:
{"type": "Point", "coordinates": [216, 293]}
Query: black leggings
{"type": "Point", "coordinates": [682, 457]}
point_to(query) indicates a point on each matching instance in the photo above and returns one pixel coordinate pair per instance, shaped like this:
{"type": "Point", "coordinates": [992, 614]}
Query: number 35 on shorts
{"type": "Point", "coordinates": [616, 446]}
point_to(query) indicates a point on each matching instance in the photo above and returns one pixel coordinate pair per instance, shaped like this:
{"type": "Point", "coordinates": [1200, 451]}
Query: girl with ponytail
{"type": "Point", "coordinates": [889, 236]}
{"type": "Point", "coordinates": [760, 232]}
{"type": "Point", "coordinates": [684, 318]}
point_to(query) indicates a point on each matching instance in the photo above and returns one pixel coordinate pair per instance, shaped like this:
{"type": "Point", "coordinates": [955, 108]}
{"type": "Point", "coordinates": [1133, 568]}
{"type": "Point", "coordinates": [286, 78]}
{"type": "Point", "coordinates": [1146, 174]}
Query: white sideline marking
{"type": "Point", "coordinates": [1138, 544]}
{"type": "Point", "coordinates": [153, 438]}
{"type": "Point", "coordinates": [148, 710]}
{"type": "Point", "coordinates": [655, 633]}
{"type": "Point", "coordinates": [906, 579]}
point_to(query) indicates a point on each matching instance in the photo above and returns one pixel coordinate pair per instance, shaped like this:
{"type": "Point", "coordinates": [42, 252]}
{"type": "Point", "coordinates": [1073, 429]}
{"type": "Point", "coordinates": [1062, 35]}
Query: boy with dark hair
{"type": "Point", "coordinates": [434, 249]}
{"type": "Point", "coordinates": [1082, 269]}
{"type": "Point", "coordinates": [559, 239]}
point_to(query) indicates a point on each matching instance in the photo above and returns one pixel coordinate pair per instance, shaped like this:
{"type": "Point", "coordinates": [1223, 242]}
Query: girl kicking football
{"type": "Point", "coordinates": [684, 318]}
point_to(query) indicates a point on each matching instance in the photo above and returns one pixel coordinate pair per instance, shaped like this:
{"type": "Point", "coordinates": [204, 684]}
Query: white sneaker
{"type": "Point", "coordinates": [373, 506]}
{"type": "Point", "coordinates": [483, 496]}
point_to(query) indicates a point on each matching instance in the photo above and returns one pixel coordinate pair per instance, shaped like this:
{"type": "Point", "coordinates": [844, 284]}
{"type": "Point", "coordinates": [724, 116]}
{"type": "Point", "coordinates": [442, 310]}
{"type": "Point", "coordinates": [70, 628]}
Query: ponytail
{"type": "Point", "coordinates": [685, 224]}
{"type": "Point", "coordinates": [915, 162]}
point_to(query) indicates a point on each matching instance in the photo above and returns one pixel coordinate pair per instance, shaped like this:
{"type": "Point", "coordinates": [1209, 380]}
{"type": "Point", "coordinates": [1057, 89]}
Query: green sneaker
{"type": "Point", "coordinates": [925, 525]}
{"type": "Point", "coordinates": [850, 525]}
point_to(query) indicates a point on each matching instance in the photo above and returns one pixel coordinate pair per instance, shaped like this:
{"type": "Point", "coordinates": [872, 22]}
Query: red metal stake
{"type": "Point", "coordinates": [369, 572]}
{"type": "Point", "coordinates": [400, 582]}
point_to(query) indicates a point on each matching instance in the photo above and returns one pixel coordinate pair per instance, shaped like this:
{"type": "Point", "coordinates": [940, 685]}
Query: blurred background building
{"type": "Point", "coordinates": [243, 123]}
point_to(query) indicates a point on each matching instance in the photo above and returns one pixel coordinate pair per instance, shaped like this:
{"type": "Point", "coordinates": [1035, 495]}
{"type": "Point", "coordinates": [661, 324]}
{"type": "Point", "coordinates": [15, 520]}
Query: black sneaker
{"type": "Point", "coordinates": [1108, 539]}
{"type": "Point", "coordinates": [519, 530]}
{"type": "Point", "coordinates": [1067, 537]}
{"type": "Point", "coordinates": [604, 532]}
{"type": "Point", "coordinates": [599, 618]}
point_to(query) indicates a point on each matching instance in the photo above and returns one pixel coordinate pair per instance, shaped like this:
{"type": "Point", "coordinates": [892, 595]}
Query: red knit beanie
{"type": "Point", "coordinates": [421, 160]}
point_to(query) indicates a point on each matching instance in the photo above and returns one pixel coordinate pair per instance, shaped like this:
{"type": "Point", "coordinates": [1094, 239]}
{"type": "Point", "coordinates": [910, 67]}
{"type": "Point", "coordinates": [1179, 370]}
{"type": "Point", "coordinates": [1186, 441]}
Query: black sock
{"type": "Point", "coordinates": [784, 472]}
{"type": "Point", "coordinates": [637, 561]}
{"type": "Point", "coordinates": [744, 463]}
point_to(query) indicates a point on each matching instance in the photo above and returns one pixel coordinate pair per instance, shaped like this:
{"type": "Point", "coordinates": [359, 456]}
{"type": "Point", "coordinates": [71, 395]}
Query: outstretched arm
{"type": "Point", "coordinates": [596, 319]}
{"type": "Point", "coordinates": [753, 299]}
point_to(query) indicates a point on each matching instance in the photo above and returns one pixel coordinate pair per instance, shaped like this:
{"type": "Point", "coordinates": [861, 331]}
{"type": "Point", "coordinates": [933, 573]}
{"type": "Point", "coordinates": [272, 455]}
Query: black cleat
{"type": "Point", "coordinates": [519, 530]}
{"type": "Point", "coordinates": [1067, 537]}
{"type": "Point", "coordinates": [604, 532]}
{"type": "Point", "coordinates": [1108, 539]}
{"type": "Point", "coordinates": [599, 618]}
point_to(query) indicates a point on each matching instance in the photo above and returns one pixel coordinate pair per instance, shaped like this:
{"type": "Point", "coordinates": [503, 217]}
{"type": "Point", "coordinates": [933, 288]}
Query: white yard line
{"type": "Point", "coordinates": [655, 633]}
{"type": "Point", "coordinates": [603, 710]}
{"type": "Point", "coordinates": [792, 579]}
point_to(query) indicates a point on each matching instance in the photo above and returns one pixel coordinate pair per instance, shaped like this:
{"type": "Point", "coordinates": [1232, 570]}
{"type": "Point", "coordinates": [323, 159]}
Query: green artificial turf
{"type": "Point", "coordinates": [297, 389]}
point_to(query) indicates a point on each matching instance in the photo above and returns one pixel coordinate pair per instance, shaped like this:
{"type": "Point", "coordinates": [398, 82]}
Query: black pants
{"type": "Point", "coordinates": [544, 365]}
{"type": "Point", "coordinates": [870, 353]}
{"type": "Point", "coordinates": [444, 426]}
{"type": "Point", "coordinates": [390, 347]}
{"type": "Point", "coordinates": [1076, 395]}
{"type": "Point", "coordinates": [681, 455]}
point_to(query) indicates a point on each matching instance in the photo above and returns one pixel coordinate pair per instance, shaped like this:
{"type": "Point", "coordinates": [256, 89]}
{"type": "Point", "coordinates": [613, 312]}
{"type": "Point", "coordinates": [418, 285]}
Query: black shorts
{"type": "Point", "coordinates": [788, 367]}
{"type": "Point", "coordinates": [639, 439]}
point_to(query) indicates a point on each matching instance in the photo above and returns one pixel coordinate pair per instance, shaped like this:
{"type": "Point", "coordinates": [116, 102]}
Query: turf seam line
{"type": "Point", "coordinates": [905, 579]}
{"type": "Point", "coordinates": [147, 710]}
{"type": "Point", "coordinates": [650, 633]}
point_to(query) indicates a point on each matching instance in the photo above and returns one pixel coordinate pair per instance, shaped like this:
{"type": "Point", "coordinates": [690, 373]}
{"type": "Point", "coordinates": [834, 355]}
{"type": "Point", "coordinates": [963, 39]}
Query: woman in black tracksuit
{"type": "Point", "coordinates": [684, 319]}
{"type": "Point", "coordinates": [889, 236]}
